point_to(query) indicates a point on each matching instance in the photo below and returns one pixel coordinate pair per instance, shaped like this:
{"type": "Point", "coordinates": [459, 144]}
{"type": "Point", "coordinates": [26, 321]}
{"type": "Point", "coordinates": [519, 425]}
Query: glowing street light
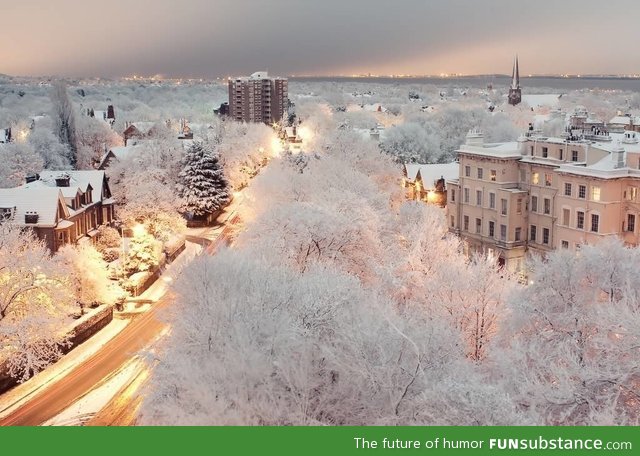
{"type": "Point", "coordinates": [139, 230]}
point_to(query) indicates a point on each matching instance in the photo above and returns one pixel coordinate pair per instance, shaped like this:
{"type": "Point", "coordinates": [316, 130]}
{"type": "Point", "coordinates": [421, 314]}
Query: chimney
{"type": "Point", "coordinates": [617, 155]}
{"type": "Point", "coordinates": [475, 138]}
{"type": "Point", "coordinates": [30, 217]}
{"type": "Point", "coordinates": [63, 180]}
{"type": "Point", "coordinates": [522, 144]}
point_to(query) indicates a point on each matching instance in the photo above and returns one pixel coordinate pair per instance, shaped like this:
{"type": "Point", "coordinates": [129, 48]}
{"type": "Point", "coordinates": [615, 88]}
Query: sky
{"type": "Point", "coordinates": [218, 38]}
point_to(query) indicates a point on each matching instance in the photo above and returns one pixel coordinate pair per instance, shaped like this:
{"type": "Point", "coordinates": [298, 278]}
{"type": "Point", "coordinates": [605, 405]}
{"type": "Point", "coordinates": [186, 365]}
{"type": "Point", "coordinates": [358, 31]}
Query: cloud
{"type": "Point", "coordinates": [217, 38]}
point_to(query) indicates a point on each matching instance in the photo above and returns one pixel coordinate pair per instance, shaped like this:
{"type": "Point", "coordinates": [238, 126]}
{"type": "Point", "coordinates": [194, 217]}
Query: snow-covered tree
{"type": "Point", "coordinates": [244, 148]}
{"type": "Point", "coordinates": [55, 155]}
{"type": "Point", "coordinates": [64, 119]}
{"type": "Point", "coordinates": [34, 303]}
{"type": "Point", "coordinates": [16, 162]}
{"type": "Point", "coordinates": [94, 138]}
{"type": "Point", "coordinates": [571, 341]}
{"type": "Point", "coordinates": [143, 252]}
{"type": "Point", "coordinates": [253, 343]}
{"type": "Point", "coordinates": [88, 277]}
{"type": "Point", "coordinates": [202, 185]}
{"type": "Point", "coordinates": [108, 243]}
{"type": "Point", "coordinates": [412, 143]}
{"type": "Point", "coordinates": [144, 186]}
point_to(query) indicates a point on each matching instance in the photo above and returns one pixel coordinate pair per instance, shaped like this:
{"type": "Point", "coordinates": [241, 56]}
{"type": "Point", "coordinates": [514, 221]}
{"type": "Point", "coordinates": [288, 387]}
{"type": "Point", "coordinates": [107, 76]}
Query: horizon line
{"type": "Point", "coordinates": [160, 77]}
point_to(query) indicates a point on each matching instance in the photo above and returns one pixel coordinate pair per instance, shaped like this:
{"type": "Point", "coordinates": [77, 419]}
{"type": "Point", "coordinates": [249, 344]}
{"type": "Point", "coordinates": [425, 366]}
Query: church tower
{"type": "Point", "coordinates": [515, 93]}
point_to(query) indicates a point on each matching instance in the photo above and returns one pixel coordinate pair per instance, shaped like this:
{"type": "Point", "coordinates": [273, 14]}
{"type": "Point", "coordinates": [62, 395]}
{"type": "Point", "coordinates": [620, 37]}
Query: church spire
{"type": "Point", "coordinates": [515, 93]}
{"type": "Point", "coordinates": [515, 75]}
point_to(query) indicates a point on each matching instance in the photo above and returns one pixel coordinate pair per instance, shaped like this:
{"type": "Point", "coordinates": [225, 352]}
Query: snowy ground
{"type": "Point", "coordinates": [87, 406]}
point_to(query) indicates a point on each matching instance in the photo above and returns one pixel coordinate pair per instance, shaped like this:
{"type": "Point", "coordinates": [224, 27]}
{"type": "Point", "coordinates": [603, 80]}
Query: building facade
{"type": "Point", "coordinates": [428, 182]}
{"type": "Point", "coordinates": [258, 98]}
{"type": "Point", "coordinates": [60, 207]}
{"type": "Point", "coordinates": [539, 194]}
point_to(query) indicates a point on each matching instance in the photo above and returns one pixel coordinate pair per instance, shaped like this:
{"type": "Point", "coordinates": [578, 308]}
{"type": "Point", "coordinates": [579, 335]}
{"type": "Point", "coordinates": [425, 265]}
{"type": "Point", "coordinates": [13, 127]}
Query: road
{"type": "Point", "coordinates": [141, 332]}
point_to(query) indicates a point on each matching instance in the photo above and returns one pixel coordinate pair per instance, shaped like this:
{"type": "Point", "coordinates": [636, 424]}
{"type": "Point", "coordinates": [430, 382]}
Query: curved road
{"type": "Point", "coordinates": [111, 357]}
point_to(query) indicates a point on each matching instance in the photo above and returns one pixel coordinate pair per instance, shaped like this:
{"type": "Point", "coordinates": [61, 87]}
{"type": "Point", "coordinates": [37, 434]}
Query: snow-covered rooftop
{"type": "Point", "coordinates": [620, 120]}
{"type": "Point", "coordinates": [430, 173]}
{"type": "Point", "coordinates": [499, 150]}
{"type": "Point", "coordinates": [143, 127]}
{"type": "Point", "coordinates": [42, 200]}
{"type": "Point", "coordinates": [78, 180]}
{"type": "Point", "coordinates": [121, 153]}
{"type": "Point", "coordinates": [541, 100]}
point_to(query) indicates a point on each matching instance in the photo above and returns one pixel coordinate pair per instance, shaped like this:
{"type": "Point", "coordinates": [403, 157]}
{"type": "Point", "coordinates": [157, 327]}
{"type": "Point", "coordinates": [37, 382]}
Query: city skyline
{"type": "Point", "coordinates": [203, 40]}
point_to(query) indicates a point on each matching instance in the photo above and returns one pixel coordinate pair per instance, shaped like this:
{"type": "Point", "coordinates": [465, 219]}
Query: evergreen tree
{"type": "Point", "coordinates": [202, 185]}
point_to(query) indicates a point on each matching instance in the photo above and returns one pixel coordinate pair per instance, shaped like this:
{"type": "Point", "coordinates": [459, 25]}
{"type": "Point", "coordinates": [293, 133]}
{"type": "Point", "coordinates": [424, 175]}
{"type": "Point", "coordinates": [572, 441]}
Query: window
{"type": "Point", "coordinates": [567, 189]}
{"type": "Point", "coordinates": [478, 197]}
{"type": "Point", "coordinates": [453, 195]}
{"type": "Point", "coordinates": [530, 150]}
{"type": "Point", "coordinates": [545, 152]}
{"type": "Point", "coordinates": [580, 220]}
{"type": "Point", "coordinates": [631, 222]}
{"type": "Point", "coordinates": [632, 193]}
{"type": "Point", "coordinates": [503, 205]}
{"type": "Point", "coordinates": [494, 173]}
{"type": "Point", "coordinates": [595, 193]}
{"type": "Point", "coordinates": [478, 226]}
{"type": "Point", "coordinates": [595, 221]}
{"type": "Point", "coordinates": [582, 191]}
{"type": "Point", "coordinates": [453, 221]}
{"type": "Point", "coordinates": [535, 178]}
{"type": "Point", "coordinates": [466, 195]}
{"type": "Point", "coordinates": [503, 232]}
{"type": "Point", "coordinates": [519, 206]}
{"type": "Point", "coordinates": [492, 200]}
{"type": "Point", "coordinates": [565, 244]}
{"type": "Point", "coordinates": [574, 155]}
{"type": "Point", "coordinates": [547, 206]}
{"type": "Point", "coordinates": [534, 204]}
{"type": "Point", "coordinates": [518, 234]}
{"type": "Point", "coordinates": [534, 232]}
{"type": "Point", "coordinates": [466, 223]}
{"type": "Point", "coordinates": [480, 173]}
{"type": "Point", "coordinates": [492, 229]}
{"type": "Point", "coordinates": [467, 171]}
{"type": "Point", "coordinates": [566, 217]}
{"type": "Point", "coordinates": [545, 236]}
{"type": "Point", "coordinates": [561, 154]}
{"type": "Point", "coordinates": [548, 179]}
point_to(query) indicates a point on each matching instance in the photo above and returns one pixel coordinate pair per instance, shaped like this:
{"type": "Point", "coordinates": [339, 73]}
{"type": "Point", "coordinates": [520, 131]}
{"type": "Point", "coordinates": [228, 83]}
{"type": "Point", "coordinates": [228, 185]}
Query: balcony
{"type": "Point", "coordinates": [509, 244]}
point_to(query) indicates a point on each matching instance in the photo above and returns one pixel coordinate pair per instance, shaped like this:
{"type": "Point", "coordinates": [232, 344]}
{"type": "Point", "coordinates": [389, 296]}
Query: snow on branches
{"type": "Point", "coordinates": [202, 185]}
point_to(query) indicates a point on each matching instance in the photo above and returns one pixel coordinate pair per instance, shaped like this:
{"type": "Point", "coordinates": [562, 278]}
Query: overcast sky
{"type": "Point", "coordinates": [211, 38]}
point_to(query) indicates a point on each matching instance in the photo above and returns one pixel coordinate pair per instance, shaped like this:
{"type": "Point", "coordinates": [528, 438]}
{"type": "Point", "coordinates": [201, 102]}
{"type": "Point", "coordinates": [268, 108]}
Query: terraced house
{"type": "Point", "coordinates": [61, 207]}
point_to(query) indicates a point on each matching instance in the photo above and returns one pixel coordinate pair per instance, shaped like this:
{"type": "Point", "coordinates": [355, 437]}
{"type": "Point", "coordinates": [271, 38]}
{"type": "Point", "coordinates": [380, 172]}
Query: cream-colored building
{"type": "Point", "coordinates": [541, 193]}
